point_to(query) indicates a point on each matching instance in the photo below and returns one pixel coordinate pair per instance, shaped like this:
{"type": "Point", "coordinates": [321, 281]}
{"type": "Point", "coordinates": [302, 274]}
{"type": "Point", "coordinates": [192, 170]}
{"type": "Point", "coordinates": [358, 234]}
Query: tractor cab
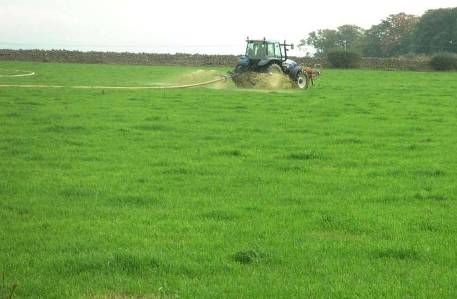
{"type": "Point", "coordinates": [261, 53]}
{"type": "Point", "coordinates": [263, 49]}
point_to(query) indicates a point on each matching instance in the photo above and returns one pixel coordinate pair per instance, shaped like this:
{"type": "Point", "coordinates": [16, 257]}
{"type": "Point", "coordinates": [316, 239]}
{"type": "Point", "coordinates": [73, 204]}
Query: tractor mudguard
{"type": "Point", "coordinates": [244, 61]}
{"type": "Point", "coordinates": [265, 62]}
{"type": "Point", "coordinates": [295, 71]}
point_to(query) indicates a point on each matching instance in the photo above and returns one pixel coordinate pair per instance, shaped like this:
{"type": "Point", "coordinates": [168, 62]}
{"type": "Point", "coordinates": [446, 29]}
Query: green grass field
{"type": "Point", "coordinates": [347, 190]}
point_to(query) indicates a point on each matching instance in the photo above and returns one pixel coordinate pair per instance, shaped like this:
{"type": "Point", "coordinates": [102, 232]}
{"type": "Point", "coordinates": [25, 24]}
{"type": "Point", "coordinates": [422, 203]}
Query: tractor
{"type": "Point", "coordinates": [264, 58]}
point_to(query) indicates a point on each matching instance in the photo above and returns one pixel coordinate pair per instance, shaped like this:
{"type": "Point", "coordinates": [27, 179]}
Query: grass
{"type": "Point", "coordinates": [346, 190]}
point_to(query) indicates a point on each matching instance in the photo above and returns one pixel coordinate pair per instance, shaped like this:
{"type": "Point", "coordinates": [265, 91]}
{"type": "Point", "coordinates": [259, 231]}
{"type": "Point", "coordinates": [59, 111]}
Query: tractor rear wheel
{"type": "Point", "coordinates": [274, 69]}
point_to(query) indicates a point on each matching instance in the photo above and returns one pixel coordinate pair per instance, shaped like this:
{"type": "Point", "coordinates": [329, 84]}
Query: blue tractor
{"type": "Point", "coordinates": [267, 58]}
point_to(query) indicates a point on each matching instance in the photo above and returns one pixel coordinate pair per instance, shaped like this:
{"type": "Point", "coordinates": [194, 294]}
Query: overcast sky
{"type": "Point", "coordinates": [183, 26]}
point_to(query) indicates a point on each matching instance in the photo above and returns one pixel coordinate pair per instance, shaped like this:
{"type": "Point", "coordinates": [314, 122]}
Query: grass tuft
{"type": "Point", "coordinates": [7, 291]}
{"type": "Point", "coordinates": [428, 196]}
{"type": "Point", "coordinates": [132, 264]}
{"type": "Point", "coordinates": [153, 127]}
{"type": "Point", "coordinates": [220, 216]}
{"type": "Point", "coordinates": [398, 254]}
{"type": "Point", "coordinates": [431, 173]}
{"type": "Point", "coordinates": [64, 129]}
{"type": "Point", "coordinates": [246, 257]}
{"type": "Point", "coordinates": [230, 153]}
{"type": "Point", "coordinates": [311, 155]}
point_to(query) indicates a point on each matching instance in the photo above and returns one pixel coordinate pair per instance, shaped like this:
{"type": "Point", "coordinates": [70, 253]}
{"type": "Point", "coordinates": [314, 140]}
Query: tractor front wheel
{"type": "Point", "coordinates": [301, 81]}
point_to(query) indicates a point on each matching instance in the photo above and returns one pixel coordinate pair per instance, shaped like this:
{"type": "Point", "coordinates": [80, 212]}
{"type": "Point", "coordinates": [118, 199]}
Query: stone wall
{"type": "Point", "coordinates": [63, 56]}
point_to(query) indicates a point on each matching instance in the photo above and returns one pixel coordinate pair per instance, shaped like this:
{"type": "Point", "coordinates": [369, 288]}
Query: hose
{"type": "Point", "coordinates": [27, 73]}
{"type": "Point", "coordinates": [220, 79]}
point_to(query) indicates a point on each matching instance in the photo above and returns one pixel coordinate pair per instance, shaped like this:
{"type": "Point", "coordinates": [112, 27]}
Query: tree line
{"type": "Point", "coordinates": [397, 35]}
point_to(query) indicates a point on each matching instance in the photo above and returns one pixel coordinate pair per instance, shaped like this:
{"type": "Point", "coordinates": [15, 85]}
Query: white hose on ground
{"type": "Point", "coordinates": [27, 73]}
{"type": "Point", "coordinates": [220, 79]}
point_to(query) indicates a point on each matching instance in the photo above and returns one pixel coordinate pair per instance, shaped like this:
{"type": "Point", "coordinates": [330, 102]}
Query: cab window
{"type": "Point", "coordinates": [271, 50]}
{"type": "Point", "coordinates": [278, 51]}
{"type": "Point", "coordinates": [274, 50]}
{"type": "Point", "coordinates": [256, 50]}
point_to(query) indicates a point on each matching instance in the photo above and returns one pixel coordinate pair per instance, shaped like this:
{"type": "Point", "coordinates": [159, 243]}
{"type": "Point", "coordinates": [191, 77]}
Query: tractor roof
{"type": "Point", "coordinates": [262, 41]}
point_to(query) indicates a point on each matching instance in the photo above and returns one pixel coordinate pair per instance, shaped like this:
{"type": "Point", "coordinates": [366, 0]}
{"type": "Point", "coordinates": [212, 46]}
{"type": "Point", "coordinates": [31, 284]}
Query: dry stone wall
{"type": "Point", "coordinates": [64, 56]}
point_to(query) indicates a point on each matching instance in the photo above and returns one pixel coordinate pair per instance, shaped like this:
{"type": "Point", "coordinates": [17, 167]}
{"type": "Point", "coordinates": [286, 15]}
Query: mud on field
{"type": "Point", "coordinates": [261, 81]}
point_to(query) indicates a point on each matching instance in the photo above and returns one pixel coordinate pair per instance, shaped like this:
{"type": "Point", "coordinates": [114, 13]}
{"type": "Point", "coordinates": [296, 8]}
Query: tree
{"type": "Point", "coordinates": [346, 36]}
{"type": "Point", "coordinates": [398, 34]}
{"type": "Point", "coordinates": [349, 37]}
{"type": "Point", "coordinates": [321, 40]}
{"type": "Point", "coordinates": [373, 42]}
{"type": "Point", "coordinates": [392, 37]}
{"type": "Point", "coordinates": [437, 31]}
